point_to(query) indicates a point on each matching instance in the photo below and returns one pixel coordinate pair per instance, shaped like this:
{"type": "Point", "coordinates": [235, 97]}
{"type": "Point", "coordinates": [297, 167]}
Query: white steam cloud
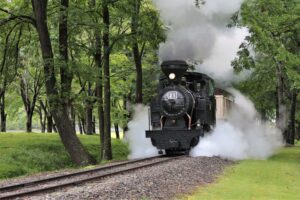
{"type": "Point", "coordinates": [139, 145]}
{"type": "Point", "coordinates": [242, 136]}
{"type": "Point", "coordinates": [201, 35]}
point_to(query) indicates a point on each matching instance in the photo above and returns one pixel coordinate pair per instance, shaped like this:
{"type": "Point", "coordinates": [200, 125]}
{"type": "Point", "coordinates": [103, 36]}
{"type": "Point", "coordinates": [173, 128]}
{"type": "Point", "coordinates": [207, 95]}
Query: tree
{"type": "Point", "coordinates": [137, 53]}
{"type": "Point", "coordinates": [57, 107]}
{"type": "Point", "coordinates": [99, 81]}
{"type": "Point", "coordinates": [31, 83]}
{"type": "Point", "coordinates": [10, 40]}
{"type": "Point", "coordinates": [144, 19]}
{"type": "Point", "coordinates": [274, 27]}
{"type": "Point", "coordinates": [49, 119]}
{"type": "Point", "coordinates": [91, 52]}
{"type": "Point", "coordinates": [42, 115]}
{"type": "Point", "coordinates": [106, 149]}
{"type": "Point", "coordinates": [66, 74]}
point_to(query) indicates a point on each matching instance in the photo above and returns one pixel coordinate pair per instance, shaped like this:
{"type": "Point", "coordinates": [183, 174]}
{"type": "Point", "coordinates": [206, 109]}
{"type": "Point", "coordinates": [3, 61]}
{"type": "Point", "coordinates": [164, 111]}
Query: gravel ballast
{"type": "Point", "coordinates": [163, 181]}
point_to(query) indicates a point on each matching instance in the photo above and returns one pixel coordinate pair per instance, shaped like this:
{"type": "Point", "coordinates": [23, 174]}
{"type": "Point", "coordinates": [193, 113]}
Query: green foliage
{"type": "Point", "coordinates": [23, 153]}
{"type": "Point", "coordinates": [275, 178]}
{"type": "Point", "coordinates": [274, 27]}
{"type": "Point", "coordinates": [263, 97]}
{"type": "Point", "coordinates": [82, 21]}
{"type": "Point", "coordinates": [273, 44]}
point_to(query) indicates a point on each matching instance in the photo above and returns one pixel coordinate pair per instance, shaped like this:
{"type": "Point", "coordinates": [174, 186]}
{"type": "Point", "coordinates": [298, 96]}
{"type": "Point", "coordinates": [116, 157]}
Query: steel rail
{"type": "Point", "coordinates": [62, 176]}
{"type": "Point", "coordinates": [14, 194]}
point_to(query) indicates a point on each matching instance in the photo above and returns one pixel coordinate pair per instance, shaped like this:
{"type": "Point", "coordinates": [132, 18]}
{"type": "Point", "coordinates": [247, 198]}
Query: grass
{"type": "Point", "coordinates": [28, 153]}
{"type": "Point", "coordinates": [275, 178]}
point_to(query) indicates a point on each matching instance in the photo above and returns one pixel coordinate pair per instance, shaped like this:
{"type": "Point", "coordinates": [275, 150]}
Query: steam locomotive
{"type": "Point", "coordinates": [184, 109]}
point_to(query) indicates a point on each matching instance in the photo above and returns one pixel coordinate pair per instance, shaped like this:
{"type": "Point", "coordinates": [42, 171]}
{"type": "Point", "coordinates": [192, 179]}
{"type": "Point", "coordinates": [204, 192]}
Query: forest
{"type": "Point", "coordinates": [79, 65]}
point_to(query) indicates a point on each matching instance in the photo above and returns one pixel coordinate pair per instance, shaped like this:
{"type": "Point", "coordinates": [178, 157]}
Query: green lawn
{"type": "Point", "coordinates": [275, 178]}
{"type": "Point", "coordinates": [28, 153]}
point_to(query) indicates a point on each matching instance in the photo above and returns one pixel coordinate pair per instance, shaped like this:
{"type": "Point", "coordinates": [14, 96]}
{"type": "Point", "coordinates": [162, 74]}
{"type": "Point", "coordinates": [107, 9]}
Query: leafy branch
{"type": "Point", "coordinates": [13, 17]}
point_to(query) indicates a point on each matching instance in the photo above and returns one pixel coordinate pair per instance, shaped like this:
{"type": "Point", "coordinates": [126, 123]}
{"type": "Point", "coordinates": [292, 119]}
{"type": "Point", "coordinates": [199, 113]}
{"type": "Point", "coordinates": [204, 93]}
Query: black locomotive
{"type": "Point", "coordinates": [184, 109]}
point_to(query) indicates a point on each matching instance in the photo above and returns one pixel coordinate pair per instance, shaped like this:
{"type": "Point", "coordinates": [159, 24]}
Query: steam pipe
{"type": "Point", "coordinates": [190, 121]}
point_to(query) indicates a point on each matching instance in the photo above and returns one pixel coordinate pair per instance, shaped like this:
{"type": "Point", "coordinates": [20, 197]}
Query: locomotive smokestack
{"type": "Point", "coordinates": [174, 69]}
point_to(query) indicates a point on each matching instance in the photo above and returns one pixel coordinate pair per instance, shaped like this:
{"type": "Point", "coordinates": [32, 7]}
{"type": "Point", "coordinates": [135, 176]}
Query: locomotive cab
{"type": "Point", "coordinates": [183, 110]}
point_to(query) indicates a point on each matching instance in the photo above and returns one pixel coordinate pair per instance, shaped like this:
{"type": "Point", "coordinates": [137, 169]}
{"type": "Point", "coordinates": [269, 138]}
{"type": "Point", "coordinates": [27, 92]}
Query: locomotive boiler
{"type": "Point", "coordinates": [183, 110]}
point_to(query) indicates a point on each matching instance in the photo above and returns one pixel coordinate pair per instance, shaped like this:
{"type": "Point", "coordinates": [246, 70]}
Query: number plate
{"type": "Point", "coordinates": [172, 95]}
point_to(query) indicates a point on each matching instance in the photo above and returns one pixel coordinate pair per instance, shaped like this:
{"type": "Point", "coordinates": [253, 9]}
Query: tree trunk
{"type": "Point", "coordinates": [99, 81]}
{"type": "Point", "coordinates": [80, 126]}
{"type": "Point", "coordinates": [83, 125]}
{"type": "Point", "coordinates": [44, 123]}
{"type": "Point", "coordinates": [282, 109]}
{"type": "Point", "coordinates": [94, 124]}
{"type": "Point", "coordinates": [54, 127]}
{"type": "Point", "coordinates": [136, 52]}
{"type": "Point", "coordinates": [3, 122]}
{"type": "Point", "coordinates": [107, 153]}
{"type": "Point", "coordinates": [277, 106]}
{"type": "Point", "coordinates": [28, 104]}
{"type": "Point", "coordinates": [43, 126]}
{"type": "Point", "coordinates": [66, 74]}
{"type": "Point", "coordinates": [139, 74]}
{"type": "Point", "coordinates": [100, 115]}
{"type": "Point", "coordinates": [73, 116]}
{"type": "Point", "coordinates": [59, 112]}
{"type": "Point", "coordinates": [292, 122]}
{"type": "Point", "coordinates": [29, 122]}
{"type": "Point", "coordinates": [126, 100]}
{"type": "Point", "coordinates": [297, 130]}
{"type": "Point", "coordinates": [89, 104]}
{"type": "Point", "coordinates": [89, 118]}
{"type": "Point", "coordinates": [116, 125]}
{"type": "Point", "coordinates": [49, 123]}
{"type": "Point", "coordinates": [2, 113]}
{"type": "Point", "coordinates": [42, 118]}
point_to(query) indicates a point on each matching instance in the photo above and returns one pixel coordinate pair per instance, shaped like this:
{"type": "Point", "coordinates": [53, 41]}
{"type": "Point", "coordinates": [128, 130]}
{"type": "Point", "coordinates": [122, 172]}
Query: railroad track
{"type": "Point", "coordinates": [65, 180]}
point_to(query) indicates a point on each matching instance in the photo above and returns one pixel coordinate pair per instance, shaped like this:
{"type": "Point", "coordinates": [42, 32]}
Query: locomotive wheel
{"type": "Point", "coordinates": [195, 141]}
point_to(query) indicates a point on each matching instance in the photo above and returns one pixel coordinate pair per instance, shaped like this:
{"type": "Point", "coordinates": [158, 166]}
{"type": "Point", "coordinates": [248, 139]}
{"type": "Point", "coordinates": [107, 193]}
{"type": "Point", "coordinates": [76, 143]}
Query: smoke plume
{"type": "Point", "coordinates": [201, 35]}
{"type": "Point", "coordinates": [139, 145]}
{"type": "Point", "coordinates": [242, 136]}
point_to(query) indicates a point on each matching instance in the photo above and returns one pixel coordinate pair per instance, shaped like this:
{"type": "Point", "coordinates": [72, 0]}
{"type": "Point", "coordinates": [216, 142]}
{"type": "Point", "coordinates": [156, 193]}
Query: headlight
{"type": "Point", "coordinates": [172, 76]}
